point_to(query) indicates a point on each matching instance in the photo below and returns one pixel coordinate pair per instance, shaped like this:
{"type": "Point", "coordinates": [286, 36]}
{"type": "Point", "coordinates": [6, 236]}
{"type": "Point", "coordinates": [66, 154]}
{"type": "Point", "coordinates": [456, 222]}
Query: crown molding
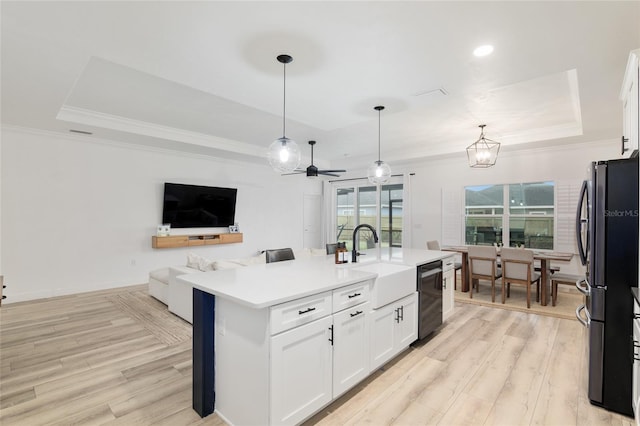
{"type": "Point", "coordinates": [125, 145]}
{"type": "Point", "coordinates": [127, 125]}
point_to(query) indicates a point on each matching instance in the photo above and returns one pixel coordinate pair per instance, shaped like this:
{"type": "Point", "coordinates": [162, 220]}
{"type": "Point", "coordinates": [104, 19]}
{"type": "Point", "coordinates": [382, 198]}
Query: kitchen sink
{"type": "Point", "coordinates": [393, 282]}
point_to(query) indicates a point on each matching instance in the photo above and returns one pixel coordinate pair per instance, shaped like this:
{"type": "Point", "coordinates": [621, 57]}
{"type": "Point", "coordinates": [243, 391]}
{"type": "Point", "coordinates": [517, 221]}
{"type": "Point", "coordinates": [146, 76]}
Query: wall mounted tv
{"type": "Point", "coordinates": [194, 206]}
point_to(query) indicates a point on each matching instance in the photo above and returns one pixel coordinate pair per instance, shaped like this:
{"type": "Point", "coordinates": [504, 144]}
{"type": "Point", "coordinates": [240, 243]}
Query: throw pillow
{"type": "Point", "coordinates": [198, 262]}
{"type": "Point", "coordinates": [193, 260]}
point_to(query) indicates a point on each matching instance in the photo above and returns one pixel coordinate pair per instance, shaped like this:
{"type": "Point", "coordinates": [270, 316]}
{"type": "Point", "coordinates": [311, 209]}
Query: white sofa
{"type": "Point", "coordinates": [178, 297]}
{"type": "Point", "coordinates": [159, 284]}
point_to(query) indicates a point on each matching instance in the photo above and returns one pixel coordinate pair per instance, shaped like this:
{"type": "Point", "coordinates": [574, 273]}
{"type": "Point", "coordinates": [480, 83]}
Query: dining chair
{"type": "Point", "coordinates": [483, 266]}
{"type": "Point", "coordinates": [561, 279]}
{"type": "Point", "coordinates": [331, 248]}
{"type": "Point", "coordinates": [457, 266]}
{"type": "Point", "coordinates": [278, 255]}
{"type": "Point", "coordinates": [518, 268]}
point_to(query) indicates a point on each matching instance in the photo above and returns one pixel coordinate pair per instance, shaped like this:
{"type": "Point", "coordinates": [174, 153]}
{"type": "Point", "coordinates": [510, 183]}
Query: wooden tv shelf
{"type": "Point", "coordinates": [173, 241]}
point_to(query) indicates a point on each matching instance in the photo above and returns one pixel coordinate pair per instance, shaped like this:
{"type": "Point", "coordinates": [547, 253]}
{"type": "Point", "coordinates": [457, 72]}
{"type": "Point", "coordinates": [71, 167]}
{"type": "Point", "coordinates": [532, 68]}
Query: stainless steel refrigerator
{"type": "Point", "coordinates": [607, 233]}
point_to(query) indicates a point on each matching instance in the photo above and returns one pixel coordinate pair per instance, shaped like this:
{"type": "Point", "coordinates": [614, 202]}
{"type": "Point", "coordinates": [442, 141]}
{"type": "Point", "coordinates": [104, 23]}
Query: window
{"type": "Point", "coordinates": [380, 207]}
{"type": "Point", "coordinates": [531, 215]}
{"type": "Point", "coordinates": [484, 208]}
{"type": "Point", "coordinates": [525, 209]}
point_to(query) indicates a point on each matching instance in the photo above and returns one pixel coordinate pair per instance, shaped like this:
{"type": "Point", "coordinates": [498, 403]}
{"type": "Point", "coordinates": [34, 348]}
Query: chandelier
{"type": "Point", "coordinates": [483, 153]}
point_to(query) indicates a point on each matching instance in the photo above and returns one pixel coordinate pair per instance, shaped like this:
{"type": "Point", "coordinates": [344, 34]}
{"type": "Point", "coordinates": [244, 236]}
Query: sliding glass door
{"type": "Point", "coordinates": [358, 202]}
{"type": "Point", "coordinates": [391, 213]}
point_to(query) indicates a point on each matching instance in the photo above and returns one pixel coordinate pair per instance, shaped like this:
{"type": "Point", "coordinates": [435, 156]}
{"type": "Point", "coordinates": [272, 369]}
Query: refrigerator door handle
{"type": "Point", "coordinates": [582, 289]}
{"type": "Point", "coordinates": [586, 322]}
{"type": "Point", "coordinates": [580, 221]}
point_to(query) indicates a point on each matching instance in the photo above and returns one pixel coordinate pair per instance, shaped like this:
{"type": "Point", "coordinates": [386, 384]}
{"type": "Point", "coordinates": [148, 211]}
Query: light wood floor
{"type": "Point", "coordinates": [118, 357]}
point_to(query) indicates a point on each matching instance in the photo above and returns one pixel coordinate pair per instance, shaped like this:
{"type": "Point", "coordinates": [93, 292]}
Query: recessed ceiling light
{"type": "Point", "coordinates": [483, 50]}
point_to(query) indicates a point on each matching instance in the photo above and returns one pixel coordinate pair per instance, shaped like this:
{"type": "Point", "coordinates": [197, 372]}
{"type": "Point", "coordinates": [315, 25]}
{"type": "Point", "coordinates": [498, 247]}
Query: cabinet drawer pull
{"type": "Point", "coordinates": [351, 296]}
{"type": "Point", "coordinates": [356, 313]}
{"type": "Point", "coordinates": [306, 311]}
{"type": "Point", "coordinates": [331, 334]}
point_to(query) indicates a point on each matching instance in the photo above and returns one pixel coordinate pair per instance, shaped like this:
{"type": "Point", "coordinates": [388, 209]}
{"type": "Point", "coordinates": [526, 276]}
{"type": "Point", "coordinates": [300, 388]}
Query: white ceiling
{"type": "Point", "coordinates": [203, 76]}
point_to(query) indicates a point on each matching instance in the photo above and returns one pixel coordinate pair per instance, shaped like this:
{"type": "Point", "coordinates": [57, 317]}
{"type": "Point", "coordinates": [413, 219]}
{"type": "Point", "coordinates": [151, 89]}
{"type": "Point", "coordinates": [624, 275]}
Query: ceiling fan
{"type": "Point", "coordinates": [312, 171]}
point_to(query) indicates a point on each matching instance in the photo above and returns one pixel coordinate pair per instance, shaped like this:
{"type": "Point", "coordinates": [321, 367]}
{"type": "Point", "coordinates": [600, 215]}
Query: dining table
{"type": "Point", "coordinates": [545, 258]}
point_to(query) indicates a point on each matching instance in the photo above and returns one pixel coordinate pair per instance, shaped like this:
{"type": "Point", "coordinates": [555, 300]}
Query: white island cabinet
{"type": "Point", "coordinates": [315, 363]}
{"type": "Point", "coordinates": [274, 343]}
{"type": "Point", "coordinates": [393, 328]}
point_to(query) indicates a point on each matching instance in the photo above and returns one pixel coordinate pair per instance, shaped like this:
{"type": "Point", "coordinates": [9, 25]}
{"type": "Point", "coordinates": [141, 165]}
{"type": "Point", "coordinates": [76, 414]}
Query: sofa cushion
{"type": "Point", "coordinates": [220, 265]}
{"type": "Point", "coordinates": [253, 260]}
{"type": "Point", "coordinates": [161, 275]}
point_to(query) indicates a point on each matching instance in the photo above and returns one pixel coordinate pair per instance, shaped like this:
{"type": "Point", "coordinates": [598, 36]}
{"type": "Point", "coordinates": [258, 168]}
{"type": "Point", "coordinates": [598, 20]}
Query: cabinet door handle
{"type": "Point", "coordinates": [356, 313]}
{"type": "Point", "coordinates": [397, 318]}
{"type": "Point", "coordinates": [331, 335]}
{"type": "Point", "coordinates": [306, 311]}
{"type": "Point", "coordinates": [444, 283]}
{"type": "Point", "coordinates": [402, 313]}
{"type": "Point", "coordinates": [624, 142]}
{"type": "Point", "coordinates": [351, 296]}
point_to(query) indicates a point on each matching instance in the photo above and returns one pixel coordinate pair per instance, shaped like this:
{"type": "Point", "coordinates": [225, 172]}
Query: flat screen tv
{"type": "Point", "coordinates": [194, 206]}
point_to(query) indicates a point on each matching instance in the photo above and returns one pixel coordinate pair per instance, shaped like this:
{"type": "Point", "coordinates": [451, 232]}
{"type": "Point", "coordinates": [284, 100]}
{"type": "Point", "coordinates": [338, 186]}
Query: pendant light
{"type": "Point", "coordinates": [379, 172]}
{"type": "Point", "coordinates": [283, 154]}
{"type": "Point", "coordinates": [483, 153]}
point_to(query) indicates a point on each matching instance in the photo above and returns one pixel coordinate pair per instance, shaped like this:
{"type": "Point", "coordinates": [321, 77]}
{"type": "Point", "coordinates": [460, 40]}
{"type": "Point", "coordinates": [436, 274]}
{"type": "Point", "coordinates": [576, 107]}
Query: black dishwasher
{"type": "Point", "coordinates": [430, 298]}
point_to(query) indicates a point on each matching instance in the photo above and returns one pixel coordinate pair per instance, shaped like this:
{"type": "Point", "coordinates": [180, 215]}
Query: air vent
{"type": "Point", "coordinates": [440, 91]}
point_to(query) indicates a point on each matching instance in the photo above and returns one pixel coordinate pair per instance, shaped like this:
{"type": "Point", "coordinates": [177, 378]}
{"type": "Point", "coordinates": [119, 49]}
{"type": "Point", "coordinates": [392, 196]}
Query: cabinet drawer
{"type": "Point", "coordinates": [300, 311]}
{"type": "Point", "coordinates": [448, 263]}
{"type": "Point", "coordinates": [351, 295]}
{"type": "Point", "coordinates": [230, 238]}
{"type": "Point", "coordinates": [171, 241]}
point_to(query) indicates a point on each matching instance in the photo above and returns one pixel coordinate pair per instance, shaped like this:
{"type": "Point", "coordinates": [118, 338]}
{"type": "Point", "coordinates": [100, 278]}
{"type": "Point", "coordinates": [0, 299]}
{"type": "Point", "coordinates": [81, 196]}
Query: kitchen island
{"type": "Point", "coordinates": [288, 338]}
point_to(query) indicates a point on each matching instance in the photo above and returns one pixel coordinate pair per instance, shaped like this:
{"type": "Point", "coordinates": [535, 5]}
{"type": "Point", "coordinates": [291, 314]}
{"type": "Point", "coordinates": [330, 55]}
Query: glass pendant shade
{"type": "Point", "coordinates": [284, 155]}
{"type": "Point", "coordinates": [483, 153]}
{"type": "Point", "coordinates": [378, 172]}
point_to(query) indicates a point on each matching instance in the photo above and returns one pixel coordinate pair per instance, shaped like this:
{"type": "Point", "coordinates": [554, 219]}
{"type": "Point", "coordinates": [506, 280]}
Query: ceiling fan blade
{"type": "Point", "coordinates": [333, 171]}
{"type": "Point", "coordinates": [295, 172]}
{"type": "Point", "coordinates": [326, 173]}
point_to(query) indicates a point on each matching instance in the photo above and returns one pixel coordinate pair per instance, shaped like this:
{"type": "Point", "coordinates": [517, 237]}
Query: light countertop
{"type": "Point", "coordinates": [264, 285]}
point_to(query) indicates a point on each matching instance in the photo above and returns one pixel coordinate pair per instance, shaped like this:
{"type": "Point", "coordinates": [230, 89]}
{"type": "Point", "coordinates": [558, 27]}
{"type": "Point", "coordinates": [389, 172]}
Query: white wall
{"type": "Point", "coordinates": [561, 163]}
{"type": "Point", "coordinates": [78, 213]}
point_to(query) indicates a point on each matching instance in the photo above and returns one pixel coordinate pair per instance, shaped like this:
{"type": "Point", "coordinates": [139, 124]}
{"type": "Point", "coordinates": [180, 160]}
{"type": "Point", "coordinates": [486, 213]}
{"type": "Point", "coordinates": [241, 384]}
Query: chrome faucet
{"type": "Point", "coordinates": [354, 252]}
